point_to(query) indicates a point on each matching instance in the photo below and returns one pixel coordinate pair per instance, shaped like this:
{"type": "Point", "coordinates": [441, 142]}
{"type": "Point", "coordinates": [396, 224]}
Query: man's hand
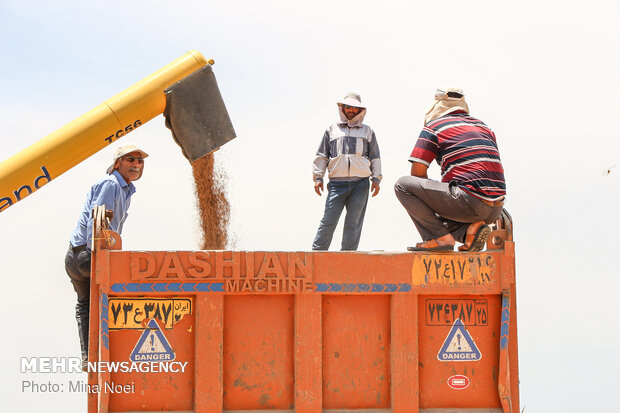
{"type": "Point", "coordinates": [374, 188]}
{"type": "Point", "coordinates": [318, 187]}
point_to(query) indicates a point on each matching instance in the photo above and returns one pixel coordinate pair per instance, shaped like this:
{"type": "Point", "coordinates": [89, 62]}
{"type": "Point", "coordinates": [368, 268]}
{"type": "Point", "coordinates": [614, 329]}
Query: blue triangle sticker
{"type": "Point", "coordinates": [152, 345]}
{"type": "Point", "coordinates": [459, 345]}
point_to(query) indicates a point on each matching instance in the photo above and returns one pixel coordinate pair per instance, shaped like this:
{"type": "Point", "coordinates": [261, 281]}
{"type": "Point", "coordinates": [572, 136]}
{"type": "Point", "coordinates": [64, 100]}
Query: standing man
{"type": "Point", "coordinates": [349, 151]}
{"type": "Point", "coordinates": [114, 191]}
{"type": "Point", "coordinates": [472, 189]}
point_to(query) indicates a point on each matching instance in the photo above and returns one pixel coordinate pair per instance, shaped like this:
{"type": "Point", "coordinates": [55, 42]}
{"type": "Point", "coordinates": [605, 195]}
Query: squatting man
{"type": "Point", "coordinates": [472, 189]}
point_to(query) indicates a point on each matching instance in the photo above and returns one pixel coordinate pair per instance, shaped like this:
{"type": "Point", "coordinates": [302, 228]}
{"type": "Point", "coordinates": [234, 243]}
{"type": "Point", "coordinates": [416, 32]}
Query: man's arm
{"type": "Point", "coordinates": [419, 169]}
{"type": "Point", "coordinates": [319, 166]}
{"type": "Point", "coordinates": [375, 164]}
{"type": "Point", "coordinates": [106, 194]}
{"type": "Point", "coordinates": [424, 152]}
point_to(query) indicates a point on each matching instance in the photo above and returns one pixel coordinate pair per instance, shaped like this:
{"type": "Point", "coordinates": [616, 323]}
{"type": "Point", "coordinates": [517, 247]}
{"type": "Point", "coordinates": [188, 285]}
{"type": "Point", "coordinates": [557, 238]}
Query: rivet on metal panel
{"type": "Point", "coordinates": [496, 239]}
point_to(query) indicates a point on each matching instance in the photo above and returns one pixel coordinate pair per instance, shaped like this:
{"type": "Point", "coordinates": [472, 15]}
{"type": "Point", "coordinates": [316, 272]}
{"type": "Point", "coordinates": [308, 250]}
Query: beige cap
{"type": "Point", "coordinates": [448, 99]}
{"type": "Point", "coordinates": [122, 151]}
{"type": "Point", "coordinates": [352, 99]}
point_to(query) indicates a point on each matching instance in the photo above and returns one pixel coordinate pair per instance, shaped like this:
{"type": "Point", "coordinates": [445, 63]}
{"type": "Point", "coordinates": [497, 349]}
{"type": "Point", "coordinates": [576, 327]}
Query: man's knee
{"type": "Point", "coordinates": [406, 188]}
{"type": "Point", "coordinates": [329, 221]}
{"type": "Point", "coordinates": [331, 215]}
{"type": "Point", "coordinates": [398, 185]}
{"type": "Point", "coordinates": [408, 184]}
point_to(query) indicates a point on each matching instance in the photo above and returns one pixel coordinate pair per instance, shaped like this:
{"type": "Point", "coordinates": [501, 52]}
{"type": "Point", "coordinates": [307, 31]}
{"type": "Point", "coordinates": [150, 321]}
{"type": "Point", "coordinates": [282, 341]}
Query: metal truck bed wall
{"type": "Point", "coordinates": [306, 331]}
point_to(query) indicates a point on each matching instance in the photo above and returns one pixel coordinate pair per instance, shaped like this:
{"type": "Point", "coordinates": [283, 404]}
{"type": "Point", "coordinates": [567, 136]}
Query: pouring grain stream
{"type": "Point", "coordinates": [213, 206]}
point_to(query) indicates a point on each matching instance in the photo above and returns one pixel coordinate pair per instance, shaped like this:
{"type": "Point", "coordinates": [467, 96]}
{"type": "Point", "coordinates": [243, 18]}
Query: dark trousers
{"type": "Point", "coordinates": [77, 265]}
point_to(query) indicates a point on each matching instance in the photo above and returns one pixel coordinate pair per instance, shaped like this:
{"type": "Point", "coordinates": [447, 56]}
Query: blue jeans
{"type": "Point", "coordinates": [353, 196]}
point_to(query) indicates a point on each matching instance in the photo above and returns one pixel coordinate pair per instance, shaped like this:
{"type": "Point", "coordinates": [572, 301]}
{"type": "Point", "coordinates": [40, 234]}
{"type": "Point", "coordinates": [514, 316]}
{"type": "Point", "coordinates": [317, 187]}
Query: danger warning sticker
{"type": "Point", "coordinates": [459, 345]}
{"type": "Point", "coordinates": [152, 345]}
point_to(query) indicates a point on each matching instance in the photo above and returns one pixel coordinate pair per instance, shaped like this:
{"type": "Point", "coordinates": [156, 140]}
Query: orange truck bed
{"type": "Point", "coordinates": [213, 331]}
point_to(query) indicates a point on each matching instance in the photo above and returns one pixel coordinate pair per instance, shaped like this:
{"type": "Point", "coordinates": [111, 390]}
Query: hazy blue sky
{"type": "Point", "coordinates": [543, 75]}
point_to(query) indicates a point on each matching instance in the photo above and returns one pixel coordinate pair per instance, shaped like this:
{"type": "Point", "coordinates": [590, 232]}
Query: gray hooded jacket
{"type": "Point", "coordinates": [349, 151]}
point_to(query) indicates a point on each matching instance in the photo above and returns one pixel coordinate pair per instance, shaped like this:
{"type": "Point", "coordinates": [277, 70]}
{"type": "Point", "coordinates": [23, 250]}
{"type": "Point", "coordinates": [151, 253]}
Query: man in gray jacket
{"type": "Point", "coordinates": [350, 153]}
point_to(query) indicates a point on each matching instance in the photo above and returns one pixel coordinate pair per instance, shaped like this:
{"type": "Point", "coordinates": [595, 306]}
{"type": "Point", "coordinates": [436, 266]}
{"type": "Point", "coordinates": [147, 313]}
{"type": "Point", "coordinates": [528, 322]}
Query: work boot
{"type": "Point", "coordinates": [81, 315]}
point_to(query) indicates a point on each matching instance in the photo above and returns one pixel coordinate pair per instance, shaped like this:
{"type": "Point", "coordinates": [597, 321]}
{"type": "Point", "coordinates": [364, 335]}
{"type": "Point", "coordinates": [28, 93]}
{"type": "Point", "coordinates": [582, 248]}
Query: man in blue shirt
{"type": "Point", "coordinates": [114, 191]}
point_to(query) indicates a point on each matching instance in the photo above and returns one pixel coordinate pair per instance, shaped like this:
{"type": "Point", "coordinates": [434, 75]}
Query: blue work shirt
{"type": "Point", "coordinates": [113, 192]}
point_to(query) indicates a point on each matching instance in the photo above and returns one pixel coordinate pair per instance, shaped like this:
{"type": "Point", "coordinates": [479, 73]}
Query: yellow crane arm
{"type": "Point", "coordinates": [40, 163]}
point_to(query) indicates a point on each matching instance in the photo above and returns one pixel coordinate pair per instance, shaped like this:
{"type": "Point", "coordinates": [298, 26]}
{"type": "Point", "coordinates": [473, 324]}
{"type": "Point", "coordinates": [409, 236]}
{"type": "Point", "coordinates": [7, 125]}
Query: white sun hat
{"type": "Point", "coordinates": [122, 151]}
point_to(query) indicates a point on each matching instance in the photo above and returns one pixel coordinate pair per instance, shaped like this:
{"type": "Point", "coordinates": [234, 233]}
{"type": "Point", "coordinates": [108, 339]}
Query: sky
{"type": "Point", "coordinates": [542, 75]}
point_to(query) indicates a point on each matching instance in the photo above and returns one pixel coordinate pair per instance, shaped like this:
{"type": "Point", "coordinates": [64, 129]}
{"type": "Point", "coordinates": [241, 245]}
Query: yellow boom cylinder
{"type": "Point", "coordinates": [40, 163]}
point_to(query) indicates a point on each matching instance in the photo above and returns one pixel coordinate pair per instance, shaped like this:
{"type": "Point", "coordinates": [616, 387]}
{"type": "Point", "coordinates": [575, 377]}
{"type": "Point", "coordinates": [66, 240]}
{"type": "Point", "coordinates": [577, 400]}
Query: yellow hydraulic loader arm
{"type": "Point", "coordinates": [35, 166]}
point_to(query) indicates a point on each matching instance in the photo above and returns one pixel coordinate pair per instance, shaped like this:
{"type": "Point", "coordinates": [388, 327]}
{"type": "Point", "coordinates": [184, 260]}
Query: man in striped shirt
{"type": "Point", "coordinates": [472, 189]}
